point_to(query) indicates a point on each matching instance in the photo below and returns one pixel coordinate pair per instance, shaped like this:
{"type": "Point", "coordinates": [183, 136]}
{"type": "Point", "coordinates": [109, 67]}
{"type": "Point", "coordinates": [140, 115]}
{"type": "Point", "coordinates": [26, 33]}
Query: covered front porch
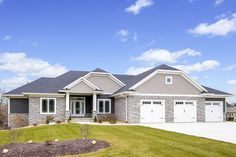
{"type": "Point", "coordinates": [90, 105]}
{"type": "Point", "coordinates": [81, 105]}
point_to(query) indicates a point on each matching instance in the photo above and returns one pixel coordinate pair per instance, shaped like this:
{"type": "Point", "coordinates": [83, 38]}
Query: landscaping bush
{"type": "Point", "coordinates": [69, 119]}
{"type": "Point", "coordinates": [99, 121]}
{"type": "Point", "coordinates": [49, 119]}
{"type": "Point", "coordinates": [3, 116]}
{"type": "Point", "coordinates": [85, 130]}
{"type": "Point", "coordinates": [95, 119]}
{"type": "Point", "coordinates": [48, 142]}
{"type": "Point", "coordinates": [58, 122]}
{"type": "Point", "coordinates": [14, 135]}
{"type": "Point", "coordinates": [19, 121]}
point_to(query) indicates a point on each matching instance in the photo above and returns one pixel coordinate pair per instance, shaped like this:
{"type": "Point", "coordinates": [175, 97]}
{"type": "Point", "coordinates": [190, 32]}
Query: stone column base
{"type": "Point", "coordinates": [67, 115]}
{"type": "Point", "coordinates": [94, 114]}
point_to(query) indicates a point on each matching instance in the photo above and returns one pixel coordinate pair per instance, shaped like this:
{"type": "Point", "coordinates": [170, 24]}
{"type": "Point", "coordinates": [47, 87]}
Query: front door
{"type": "Point", "coordinates": [78, 108]}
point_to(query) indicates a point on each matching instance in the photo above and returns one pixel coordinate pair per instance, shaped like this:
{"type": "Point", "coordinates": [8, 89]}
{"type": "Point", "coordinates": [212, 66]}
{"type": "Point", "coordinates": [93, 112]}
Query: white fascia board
{"type": "Point", "coordinates": [165, 95]}
{"type": "Point", "coordinates": [199, 87]}
{"type": "Point", "coordinates": [13, 95]}
{"type": "Point", "coordinates": [82, 79]}
{"type": "Point", "coordinates": [125, 93]}
{"type": "Point", "coordinates": [44, 94]}
{"type": "Point", "coordinates": [212, 95]}
{"type": "Point", "coordinates": [109, 74]}
{"type": "Point", "coordinates": [90, 84]}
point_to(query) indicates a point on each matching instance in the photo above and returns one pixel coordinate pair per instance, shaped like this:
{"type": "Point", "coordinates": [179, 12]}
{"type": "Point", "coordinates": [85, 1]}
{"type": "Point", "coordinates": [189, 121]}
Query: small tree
{"type": "Point", "coordinates": [85, 130]}
{"type": "Point", "coordinates": [14, 135]}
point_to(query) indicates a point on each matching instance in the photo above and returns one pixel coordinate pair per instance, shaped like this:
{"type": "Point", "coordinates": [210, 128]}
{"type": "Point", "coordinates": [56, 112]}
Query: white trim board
{"type": "Point", "coordinates": [82, 79]}
{"type": "Point", "coordinates": [167, 95]}
{"type": "Point", "coordinates": [104, 74]}
{"type": "Point", "coordinates": [194, 83]}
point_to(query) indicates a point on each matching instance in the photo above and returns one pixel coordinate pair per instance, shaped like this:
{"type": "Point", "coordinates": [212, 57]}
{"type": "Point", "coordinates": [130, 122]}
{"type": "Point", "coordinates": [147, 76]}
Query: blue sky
{"type": "Point", "coordinates": [46, 38]}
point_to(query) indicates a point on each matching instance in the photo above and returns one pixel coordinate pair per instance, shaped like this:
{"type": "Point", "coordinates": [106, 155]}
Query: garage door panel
{"type": "Point", "coordinates": [185, 111]}
{"type": "Point", "coordinates": [152, 111]}
{"type": "Point", "coordinates": [214, 111]}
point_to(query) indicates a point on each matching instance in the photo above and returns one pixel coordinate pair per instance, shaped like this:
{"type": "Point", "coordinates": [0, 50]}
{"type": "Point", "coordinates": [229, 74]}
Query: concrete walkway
{"type": "Point", "coordinates": [225, 131]}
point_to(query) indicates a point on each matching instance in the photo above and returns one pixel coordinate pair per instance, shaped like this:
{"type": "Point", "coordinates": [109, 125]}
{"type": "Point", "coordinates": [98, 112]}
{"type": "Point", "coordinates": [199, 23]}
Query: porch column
{"type": "Point", "coordinates": [94, 114]}
{"type": "Point", "coordinates": [67, 102]}
{"type": "Point", "coordinates": [67, 114]}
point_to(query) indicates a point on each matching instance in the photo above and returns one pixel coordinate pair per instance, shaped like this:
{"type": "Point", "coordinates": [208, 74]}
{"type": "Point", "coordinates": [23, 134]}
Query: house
{"type": "Point", "coordinates": [231, 113]}
{"type": "Point", "coordinates": [161, 94]}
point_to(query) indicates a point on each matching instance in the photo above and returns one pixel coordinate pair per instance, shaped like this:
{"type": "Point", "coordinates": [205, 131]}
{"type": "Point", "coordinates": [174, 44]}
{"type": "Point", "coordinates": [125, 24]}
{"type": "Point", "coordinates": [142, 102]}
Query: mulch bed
{"type": "Point", "coordinates": [59, 148]}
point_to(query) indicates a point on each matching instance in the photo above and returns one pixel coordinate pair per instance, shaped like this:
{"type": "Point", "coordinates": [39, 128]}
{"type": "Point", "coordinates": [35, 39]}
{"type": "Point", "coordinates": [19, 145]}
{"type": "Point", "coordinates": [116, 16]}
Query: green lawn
{"type": "Point", "coordinates": [132, 141]}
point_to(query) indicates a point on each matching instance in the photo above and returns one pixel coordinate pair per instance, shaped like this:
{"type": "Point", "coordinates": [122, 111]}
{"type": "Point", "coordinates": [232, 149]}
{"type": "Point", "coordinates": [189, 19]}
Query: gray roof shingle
{"type": "Point", "coordinates": [53, 85]}
{"type": "Point", "coordinates": [215, 91]}
{"type": "Point", "coordinates": [139, 77]}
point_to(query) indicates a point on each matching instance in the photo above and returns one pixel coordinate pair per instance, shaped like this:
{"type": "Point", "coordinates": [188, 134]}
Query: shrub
{"type": "Point", "coordinates": [85, 130]}
{"type": "Point", "coordinates": [3, 116]}
{"type": "Point", "coordinates": [49, 119]}
{"type": "Point", "coordinates": [19, 121]}
{"type": "Point", "coordinates": [14, 135]}
{"type": "Point", "coordinates": [35, 124]}
{"type": "Point", "coordinates": [95, 119]}
{"type": "Point", "coordinates": [58, 122]}
{"type": "Point", "coordinates": [69, 119]}
{"type": "Point", "coordinates": [99, 121]}
{"type": "Point", "coordinates": [48, 142]}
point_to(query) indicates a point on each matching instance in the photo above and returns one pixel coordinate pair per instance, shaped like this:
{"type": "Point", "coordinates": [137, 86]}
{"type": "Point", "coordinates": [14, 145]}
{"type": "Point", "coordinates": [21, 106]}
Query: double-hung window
{"type": "Point", "coordinates": [47, 105]}
{"type": "Point", "coordinates": [104, 106]}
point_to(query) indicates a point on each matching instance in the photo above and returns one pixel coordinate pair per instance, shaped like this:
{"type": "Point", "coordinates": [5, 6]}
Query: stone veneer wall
{"type": "Point", "coordinates": [134, 107]}
{"type": "Point", "coordinates": [34, 111]}
{"type": "Point", "coordinates": [17, 120]}
{"type": "Point", "coordinates": [120, 109]}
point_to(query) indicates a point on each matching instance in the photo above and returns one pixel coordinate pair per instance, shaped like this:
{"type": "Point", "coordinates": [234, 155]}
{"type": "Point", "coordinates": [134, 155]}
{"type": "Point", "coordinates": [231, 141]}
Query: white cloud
{"type": "Point", "coordinates": [217, 2]}
{"type": "Point", "coordinates": [137, 70]}
{"type": "Point", "coordinates": [19, 63]}
{"type": "Point", "coordinates": [138, 5]}
{"type": "Point", "coordinates": [222, 27]}
{"type": "Point", "coordinates": [13, 82]}
{"type": "Point", "coordinates": [163, 55]}
{"type": "Point", "coordinates": [232, 82]}
{"type": "Point", "coordinates": [123, 34]}
{"type": "Point", "coordinates": [231, 67]}
{"type": "Point", "coordinates": [199, 67]}
{"type": "Point", "coordinates": [135, 37]}
{"type": "Point", "coordinates": [7, 37]}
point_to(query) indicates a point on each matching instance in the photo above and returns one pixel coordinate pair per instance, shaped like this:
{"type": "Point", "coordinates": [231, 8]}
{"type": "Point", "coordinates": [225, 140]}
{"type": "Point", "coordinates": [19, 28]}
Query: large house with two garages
{"type": "Point", "coordinates": [161, 94]}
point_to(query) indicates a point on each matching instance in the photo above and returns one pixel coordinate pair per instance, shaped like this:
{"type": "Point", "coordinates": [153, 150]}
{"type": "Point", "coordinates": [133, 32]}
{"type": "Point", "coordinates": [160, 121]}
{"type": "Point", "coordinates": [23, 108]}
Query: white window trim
{"type": "Point", "coordinates": [104, 106]}
{"type": "Point", "coordinates": [171, 80]}
{"type": "Point", "coordinates": [71, 99]}
{"type": "Point", "coordinates": [55, 100]}
{"type": "Point", "coordinates": [184, 101]}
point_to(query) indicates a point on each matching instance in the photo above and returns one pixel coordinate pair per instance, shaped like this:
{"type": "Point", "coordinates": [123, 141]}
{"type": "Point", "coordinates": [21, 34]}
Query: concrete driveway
{"type": "Point", "coordinates": [225, 131]}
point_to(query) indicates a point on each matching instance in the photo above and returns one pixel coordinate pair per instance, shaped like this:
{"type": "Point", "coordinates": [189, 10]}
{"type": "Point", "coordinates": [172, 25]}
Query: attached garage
{"type": "Point", "coordinates": [185, 111]}
{"type": "Point", "coordinates": [214, 111]}
{"type": "Point", "coordinates": [152, 111]}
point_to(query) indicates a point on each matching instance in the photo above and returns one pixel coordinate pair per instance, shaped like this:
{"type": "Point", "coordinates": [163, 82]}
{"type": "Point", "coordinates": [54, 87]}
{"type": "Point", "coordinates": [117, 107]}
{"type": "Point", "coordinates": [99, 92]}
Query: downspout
{"type": "Point", "coordinates": [126, 107]}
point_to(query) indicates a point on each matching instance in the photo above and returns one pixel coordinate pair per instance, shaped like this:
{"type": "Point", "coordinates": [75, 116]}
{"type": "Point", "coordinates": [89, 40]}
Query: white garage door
{"type": "Point", "coordinates": [185, 111]}
{"type": "Point", "coordinates": [214, 111]}
{"type": "Point", "coordinates": [152, 111]}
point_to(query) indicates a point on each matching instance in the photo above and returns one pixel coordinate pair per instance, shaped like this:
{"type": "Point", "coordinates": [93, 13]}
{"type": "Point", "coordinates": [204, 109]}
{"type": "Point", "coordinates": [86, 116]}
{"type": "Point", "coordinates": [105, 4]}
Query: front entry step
{"type": "Point", "coordinates": [74, 120]}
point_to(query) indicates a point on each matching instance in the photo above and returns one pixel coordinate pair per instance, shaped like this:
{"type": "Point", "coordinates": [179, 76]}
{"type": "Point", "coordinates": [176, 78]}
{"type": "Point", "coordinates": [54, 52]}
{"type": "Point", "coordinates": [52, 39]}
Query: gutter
{"type": "Point", "coordinates": [126, 107]}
